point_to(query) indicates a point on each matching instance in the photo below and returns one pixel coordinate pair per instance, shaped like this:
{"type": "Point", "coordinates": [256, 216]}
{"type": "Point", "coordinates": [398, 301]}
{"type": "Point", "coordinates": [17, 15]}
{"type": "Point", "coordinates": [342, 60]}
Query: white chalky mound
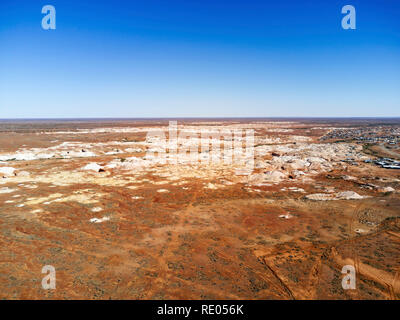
{"type": "Point", "coordinates": [349, 195]}
{"type": "Point", "coordinates": [344, 195]}
{"type": "Point", "coordinates": [92, 167]}
{"type": "Point", "coordinates": [99, 220]}
{"type": "Point", "coordinates": [319, 197]}
{"type": "Point", "coordinates": [6, 190]}
{"type": "Point", "coordinates": [162, 190]}
{"type": "Point", "coordinates": [7, 171]}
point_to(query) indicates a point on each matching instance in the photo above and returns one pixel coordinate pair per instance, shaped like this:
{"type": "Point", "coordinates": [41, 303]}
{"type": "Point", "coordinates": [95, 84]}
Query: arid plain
{"type": "Point", "coordinates": [116, 223]}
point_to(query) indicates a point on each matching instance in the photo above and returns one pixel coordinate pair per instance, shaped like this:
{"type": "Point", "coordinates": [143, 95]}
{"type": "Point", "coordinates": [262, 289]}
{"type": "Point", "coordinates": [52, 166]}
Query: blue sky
{"type": "Point", "coordinates": [199, 59]}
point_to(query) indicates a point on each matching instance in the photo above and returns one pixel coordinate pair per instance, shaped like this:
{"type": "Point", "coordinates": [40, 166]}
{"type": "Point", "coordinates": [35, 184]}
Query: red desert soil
{"type": "Point", "coordinates": [190, 232]}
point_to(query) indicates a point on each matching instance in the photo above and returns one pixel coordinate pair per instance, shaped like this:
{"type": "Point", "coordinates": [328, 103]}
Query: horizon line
{"type": "Point", "coordinates": [200, 118]}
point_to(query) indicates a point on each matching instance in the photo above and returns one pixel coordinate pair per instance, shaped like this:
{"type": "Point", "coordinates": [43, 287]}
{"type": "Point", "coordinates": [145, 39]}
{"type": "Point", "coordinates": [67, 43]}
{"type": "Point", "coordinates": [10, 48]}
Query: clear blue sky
{"type": "Point", "coordinates": [199, 58]}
